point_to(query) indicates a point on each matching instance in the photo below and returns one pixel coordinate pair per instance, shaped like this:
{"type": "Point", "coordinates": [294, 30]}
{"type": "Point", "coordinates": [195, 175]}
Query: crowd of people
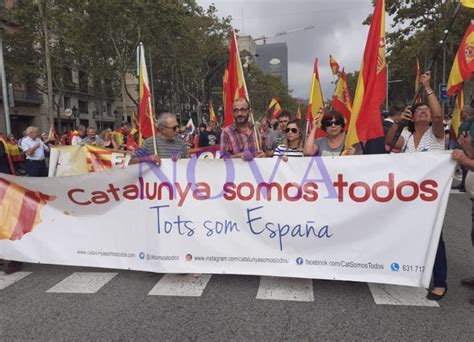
{"type": "Point", "coordinates": [286, 138]}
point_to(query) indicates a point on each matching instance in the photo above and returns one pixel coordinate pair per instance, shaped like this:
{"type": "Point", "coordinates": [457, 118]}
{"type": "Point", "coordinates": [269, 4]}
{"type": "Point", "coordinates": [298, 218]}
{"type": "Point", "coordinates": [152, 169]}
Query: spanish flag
{"type": "Point", "coordinates": [463, 65]}
{"type": "Point", "coordinates": [145, 112]}
{"type": "Point", "coordinates": [366, 121]}
{"type": "Point", "coordinates": [316, 100]}
{"type": "Point", "coordinates": [468, 3]}
{"type": "Point", "coordinates": [456, 120]}
{"type": "Point", "coordinates": [235, 86]}
{"type": "Point", "coordinates": [334, 65]}
{"type": "Point", "coordinates": [417, 80]}
{"type": "Point", "coordinates": [275, 108]}
{"type": "Point", "coordinates": [20, 209]}
{"type": "Point", "coordinates": [212, 113]}
{"type": "Point", "coordinates": [341, 100]}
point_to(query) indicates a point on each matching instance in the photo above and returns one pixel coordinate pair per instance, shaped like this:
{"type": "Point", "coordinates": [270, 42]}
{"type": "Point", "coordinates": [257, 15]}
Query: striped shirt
{"type": "Point", "coordinates": [428, 142]}
{"type": "Point", "coordinates": [166, 148]}
{"type": "Point", "coordinates": [281, 150]}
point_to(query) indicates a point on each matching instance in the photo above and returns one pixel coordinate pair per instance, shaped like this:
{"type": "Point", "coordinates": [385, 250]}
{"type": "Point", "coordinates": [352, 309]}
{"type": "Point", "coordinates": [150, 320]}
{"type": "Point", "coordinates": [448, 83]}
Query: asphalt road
{"type": "Point", "coordinates": [232, 307]}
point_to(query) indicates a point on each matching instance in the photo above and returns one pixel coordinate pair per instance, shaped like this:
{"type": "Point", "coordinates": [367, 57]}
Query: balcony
{"type": "Point", "coordinates": [22, 96]}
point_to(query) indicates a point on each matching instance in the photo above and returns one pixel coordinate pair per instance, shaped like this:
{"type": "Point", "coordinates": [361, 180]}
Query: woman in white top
{"type": "Point", "coordinates": [425, 133]}
{"type": "Point", "coordinates": [293, 141]}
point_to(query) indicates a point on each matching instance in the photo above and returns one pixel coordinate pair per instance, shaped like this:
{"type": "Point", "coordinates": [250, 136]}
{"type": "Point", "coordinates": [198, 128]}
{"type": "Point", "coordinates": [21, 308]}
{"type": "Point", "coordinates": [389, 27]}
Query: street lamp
{"type": "Point", "coordinates": [74, 116]}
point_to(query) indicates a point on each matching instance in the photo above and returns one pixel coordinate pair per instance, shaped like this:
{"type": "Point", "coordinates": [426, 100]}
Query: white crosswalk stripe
{"type": "Point", "coordinates": [400, 295]}
{"type": "Point", "coordinates": [293, 289]}
{"type": "Point", "coordinates": [83, 282]}
{"type": "Point", "coordinates": [9, 279]}
{"type": "Point", "coordinates": [185, 285]}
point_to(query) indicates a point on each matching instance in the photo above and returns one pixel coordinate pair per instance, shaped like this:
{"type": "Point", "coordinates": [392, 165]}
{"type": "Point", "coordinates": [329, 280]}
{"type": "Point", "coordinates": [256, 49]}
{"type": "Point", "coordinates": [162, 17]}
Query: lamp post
{"type": "Point", "coordinates": [73, 116]}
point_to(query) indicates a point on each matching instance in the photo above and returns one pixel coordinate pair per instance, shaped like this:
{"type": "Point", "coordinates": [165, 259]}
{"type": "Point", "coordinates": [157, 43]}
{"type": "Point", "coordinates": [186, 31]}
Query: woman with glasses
{"type": "Point", "coordinates": [292, 141]}
{"type": "Point", "coordinates": [332, 123]}
{"type": "Point", "coordinates": [425, 133]}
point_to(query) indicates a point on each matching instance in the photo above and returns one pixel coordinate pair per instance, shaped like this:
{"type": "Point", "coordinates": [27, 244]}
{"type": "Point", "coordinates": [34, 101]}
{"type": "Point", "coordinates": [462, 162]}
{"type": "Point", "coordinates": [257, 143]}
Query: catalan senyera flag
{"type": "Point", "coordinates": [98, 158]}
{"type": "Point", "coordinates": [463, 66]}
{"type": "Point", "coordinates": [366, 121]}
{"type": "Point", "coordinates": [20, 209]}
{"type": "Point", "coordinates": [275, 108]}
{"type": "Point", "coordinates": [14, 151]}
{"type": "Point", "coordinates": [456, 120]}
{"type": "Point", "coordinates": [235, 86]}
{"type": "Point", "coordinates": [145, 113]}
{"type": "Point", "coordinates": [341, 101]}
{"type": "Point", "coordinates": [417, 80]}
{"type": "Point", "coordinates": [212, 113]}
{"type": "Point", "coordinates": [316, 100]}
{"type": "Point", "coordinates": [468, 3]}
{"type": "Point", "coordinates": [334, 65]}
{"type": "Point", "coordinates": [298, 111]}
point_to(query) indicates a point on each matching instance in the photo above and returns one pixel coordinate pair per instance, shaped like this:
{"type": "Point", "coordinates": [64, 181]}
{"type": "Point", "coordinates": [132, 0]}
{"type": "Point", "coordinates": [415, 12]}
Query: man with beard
{"type": "Point", "coordinates": [239, 140]}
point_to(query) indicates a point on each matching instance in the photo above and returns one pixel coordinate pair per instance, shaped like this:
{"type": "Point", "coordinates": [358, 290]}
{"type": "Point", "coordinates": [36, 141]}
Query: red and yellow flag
{"type": "Point", "coordinates": [366, 121]}
{"type": "Point", "coordinates": [341, 100]}
{"type": "Point", "coordinates": [212, 113]}
{"type": "Point", "coordinates": [20, 209]}
{"type": "Point", "coordinates": [145, 112]}
{"type": "Point", "coordinates": [275, 108]}
{"type": "Point", "coordinates": [456, 120]}
{"type": "Point", "coordinates": [417, 80]}
{"type": "Point", "coordinates": [468, 3]}
{"type": "Point", "coordinates": [334, 65]}
{"type": "Point", "coordinates": [298, 111]}
{"type": "Point", "coordinates": [316, 100]}
{"type": "Point", "coordinates": [10, 161]}
{"type": "Point", "coordinates": [234, 83]}
{"type": "Point", "coordinates": [463, 66]}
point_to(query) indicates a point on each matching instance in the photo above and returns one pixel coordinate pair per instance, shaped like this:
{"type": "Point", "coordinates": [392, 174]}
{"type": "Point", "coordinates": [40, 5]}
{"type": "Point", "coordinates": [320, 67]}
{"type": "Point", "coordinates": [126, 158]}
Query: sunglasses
{"type": "Point", "coordinates": [337, 122]}
{"type": "Point", "coordinates": [293, 130]}
{"type": "Point", "coordinates": [174, 128]}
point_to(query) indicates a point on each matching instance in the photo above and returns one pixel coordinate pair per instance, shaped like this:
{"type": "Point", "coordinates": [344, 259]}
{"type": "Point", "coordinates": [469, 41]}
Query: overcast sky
{"type": "Point", "coordinates": [338, 30]}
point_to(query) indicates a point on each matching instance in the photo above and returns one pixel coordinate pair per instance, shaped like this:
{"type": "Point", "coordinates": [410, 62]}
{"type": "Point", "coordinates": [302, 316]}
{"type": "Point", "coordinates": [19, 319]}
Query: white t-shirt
{"type": "Point", "coordinates": [38, 154]}
{"type": "Point", "coordinates": [76, 140]}
{"type": "Point", "coordinates": [428, 142]}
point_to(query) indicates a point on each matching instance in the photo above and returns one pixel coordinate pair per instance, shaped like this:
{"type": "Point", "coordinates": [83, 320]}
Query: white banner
{"type": "Point", "coordinates": [362, 218]}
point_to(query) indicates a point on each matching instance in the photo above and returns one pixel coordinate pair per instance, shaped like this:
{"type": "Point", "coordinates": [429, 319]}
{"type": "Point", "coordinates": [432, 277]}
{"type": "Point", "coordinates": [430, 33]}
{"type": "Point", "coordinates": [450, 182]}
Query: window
{"type": "Point", "coordinates": [83, 107]}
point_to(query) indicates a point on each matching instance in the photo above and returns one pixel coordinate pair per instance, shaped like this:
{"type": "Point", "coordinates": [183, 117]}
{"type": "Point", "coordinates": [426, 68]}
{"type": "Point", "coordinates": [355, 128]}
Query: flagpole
{"type": "Point", "coordinates": [440, 46]}
{"type": "Point", "coordinates": [153, 134]}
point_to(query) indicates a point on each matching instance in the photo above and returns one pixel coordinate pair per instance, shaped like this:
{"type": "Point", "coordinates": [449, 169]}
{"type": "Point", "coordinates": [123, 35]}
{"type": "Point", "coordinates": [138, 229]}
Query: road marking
{"type": "Point", "coordinates": [82, 282]}
{"type": "Point", "coordinates": [183, 285]}
{"type": "Point", "coordinates": [8, 279]}
{"type": "Point", "coordinates": [295, 289]}
{"type": "Point", "coordinates": [400, 295]}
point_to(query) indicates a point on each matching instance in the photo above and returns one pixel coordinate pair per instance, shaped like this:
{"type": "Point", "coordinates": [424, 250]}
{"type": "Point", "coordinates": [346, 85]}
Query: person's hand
{"type": "Point", "coordinates": [425, 80]}
{"type": "Point", "coordinates": [260, 154]}
{"type": "Point", "coordinates": [318, 117]}
{"type": "Point", "coordinates": [284, 158]}
{"type": "Point", "coordinates": [154, 158]}
{"type": "Point", "coordinates": [459, 156]}
{"type": "Point", "coordinates": [175, 157]}
{"type": "Point", "coordinates": [351, 151]}
{"type": "Point", "coordinates": [406, 114]}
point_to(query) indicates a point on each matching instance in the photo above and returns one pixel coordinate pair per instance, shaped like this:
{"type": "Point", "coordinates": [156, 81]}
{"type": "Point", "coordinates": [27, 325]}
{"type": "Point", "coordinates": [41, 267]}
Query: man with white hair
{"type": "Point", "coordinates": [35, 149]}
{"type": "Point", "coordinates": [169, 144]}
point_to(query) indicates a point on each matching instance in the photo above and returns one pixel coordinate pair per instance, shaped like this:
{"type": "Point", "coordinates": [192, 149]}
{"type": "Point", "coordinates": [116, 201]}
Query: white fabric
{"type": "Point", "coordinates": [76, 140]}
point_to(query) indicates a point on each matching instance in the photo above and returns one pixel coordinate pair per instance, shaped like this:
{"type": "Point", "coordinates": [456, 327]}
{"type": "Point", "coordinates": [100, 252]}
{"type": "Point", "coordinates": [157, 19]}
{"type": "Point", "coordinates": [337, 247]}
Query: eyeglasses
{"type": "Point", "coordinates": [174, 128]}
{"type": "Point", "coordinates": [293, 130]}
{"type": "Point", "coordinates": [242, 110]}
{"type": "Point", "coordinates": [337, 122]}
{"type": "Point", "coordinates": [283, 121]}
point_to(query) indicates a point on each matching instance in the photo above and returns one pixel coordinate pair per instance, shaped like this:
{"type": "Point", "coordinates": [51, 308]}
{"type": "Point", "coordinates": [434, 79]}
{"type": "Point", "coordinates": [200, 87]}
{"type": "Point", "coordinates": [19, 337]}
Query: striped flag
{"type": "Point", "coordinates": [20, 209]}
{"type": "Point", "coordinates": [98, 158]}
{"type": "Point", "coordinates": [316, 100]}
{"type": "Point", "coordinates": [334, 65]}
{"type": "Point", "coordinates": [463, 66]}
{"type": "Point", "coordinates": [145, 113]}
{"type": "Point", "coordinates": [275, 108]}
{"type": "Point", "coordinates": [456, 120]}
{"type": "Point", "coordinates": [234, 81]}
{"type": "Point", "coordinates": [212, 113]}
{"type": "Point", "coordinates": [366, 121]}
{"type": "Point", "coordinates": [341, 100]}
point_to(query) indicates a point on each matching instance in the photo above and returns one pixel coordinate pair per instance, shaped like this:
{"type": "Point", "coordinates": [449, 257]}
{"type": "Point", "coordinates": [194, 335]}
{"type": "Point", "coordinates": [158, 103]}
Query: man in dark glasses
{"type": "Point", "coordinates": [169, 144]}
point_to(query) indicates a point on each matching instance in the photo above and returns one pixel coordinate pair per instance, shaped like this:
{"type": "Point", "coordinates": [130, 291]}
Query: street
{"type": "Point", "coordinates": [48, 302]}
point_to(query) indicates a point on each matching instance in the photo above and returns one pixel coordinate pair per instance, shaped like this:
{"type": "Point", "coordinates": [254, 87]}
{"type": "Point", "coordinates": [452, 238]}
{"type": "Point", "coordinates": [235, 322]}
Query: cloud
{"type": "Point", "coordinates": [338, 30]}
